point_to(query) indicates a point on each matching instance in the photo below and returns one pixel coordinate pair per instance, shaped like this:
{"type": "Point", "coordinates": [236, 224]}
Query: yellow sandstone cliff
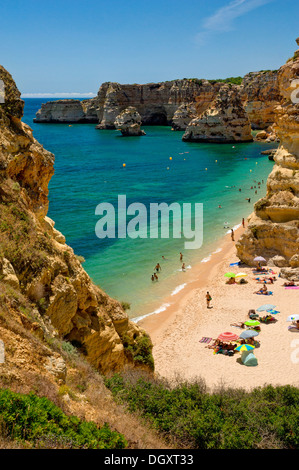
{"type": "Point", "coordinates": [273, 229]}
{"type": "Point", "coordinates": [43, 287]}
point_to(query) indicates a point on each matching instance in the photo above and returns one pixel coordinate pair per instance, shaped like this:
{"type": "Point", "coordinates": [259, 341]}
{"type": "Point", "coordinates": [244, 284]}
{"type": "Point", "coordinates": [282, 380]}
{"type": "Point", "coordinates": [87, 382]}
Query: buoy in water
{"type": "Point", "coordinates": [124, 164]}
{"type": "Point", "coordinates": [170, 158]}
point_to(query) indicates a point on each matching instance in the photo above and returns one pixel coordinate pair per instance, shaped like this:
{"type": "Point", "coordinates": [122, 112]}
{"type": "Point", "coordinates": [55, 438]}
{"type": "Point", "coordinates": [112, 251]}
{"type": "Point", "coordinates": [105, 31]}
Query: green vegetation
{"type": "Point", "coordinates": [187, 416]}
{"type": "Point", "coordinates": [126, 305]}
{"type": "Point", "coordinates": [139, 350]}
{"type": "Point", "coordinates": [35, 420]}
{"type": "Point", "coordinates": [232, 80]}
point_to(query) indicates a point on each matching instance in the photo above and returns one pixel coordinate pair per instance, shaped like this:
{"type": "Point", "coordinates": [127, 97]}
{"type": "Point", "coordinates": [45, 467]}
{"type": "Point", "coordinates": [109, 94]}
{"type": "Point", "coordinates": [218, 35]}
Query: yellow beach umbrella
{"type": "Point", "coordinates": [241, 275]}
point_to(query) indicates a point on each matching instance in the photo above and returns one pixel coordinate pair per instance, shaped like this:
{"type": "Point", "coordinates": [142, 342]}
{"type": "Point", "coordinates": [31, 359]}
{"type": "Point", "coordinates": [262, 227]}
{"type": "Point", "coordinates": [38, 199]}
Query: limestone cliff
{"type": "Point", "coordinates": [39, 274]}
{"type": "Point", "coordinates": [225, 120]}
{"type": "Point", "coordinates": [273, 231]}
{"type": "Point", "coordinates": [129, 122]}
{"type": "Point", "coordinates": [67, 111]}
{"type": "Point", "coordinates": [173, 103]}
{"type": "Point", "coordinates": [260, 93]}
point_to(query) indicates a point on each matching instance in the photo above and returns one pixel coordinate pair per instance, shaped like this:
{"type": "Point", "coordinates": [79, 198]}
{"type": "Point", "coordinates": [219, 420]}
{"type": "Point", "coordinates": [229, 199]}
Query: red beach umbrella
{"type": "Point", "coordinates": [227, 336]}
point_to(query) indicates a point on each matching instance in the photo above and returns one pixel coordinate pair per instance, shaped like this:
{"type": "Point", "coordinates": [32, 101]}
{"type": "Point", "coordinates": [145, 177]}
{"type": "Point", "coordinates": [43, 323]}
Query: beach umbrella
{"type": "Point", "coordinates": [266, 307]}
{"type": "Point", "coordinates": [229, 275]}
{"type": "Point", "coordinates": [252, 323]}
{"type": "Point", "coordinates": [227, 336]}
{"type": "Point", "coordinates": [293, 318]}
{"type": "Point", "coordinates": [248, 334]}
{"type": "Point", "coordinates": [259, 258]}
{"type": "Point", "coordinates": [244, 347]}
{"type": "Point", "coordinates": [241, 275]}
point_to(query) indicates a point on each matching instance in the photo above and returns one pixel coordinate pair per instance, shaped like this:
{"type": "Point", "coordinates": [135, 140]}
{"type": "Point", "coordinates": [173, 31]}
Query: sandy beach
{"type": "Point", "coordinates": [176, 332]}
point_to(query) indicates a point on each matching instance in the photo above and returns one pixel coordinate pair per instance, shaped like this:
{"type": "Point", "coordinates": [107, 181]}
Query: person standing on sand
{"type": "Point", "coordinates": [243, 222]}
{"type": "Point", "coordinates": [208, 299]}
{"type": "Point", "coordinates": [232, 235]}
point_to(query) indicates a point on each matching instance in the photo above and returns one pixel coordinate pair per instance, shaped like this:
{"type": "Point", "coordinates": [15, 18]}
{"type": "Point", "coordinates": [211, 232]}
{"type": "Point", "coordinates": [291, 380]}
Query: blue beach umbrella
{"type": "Point", "coordinates": [248, 334]}
{"type": "Point", "coordinates": [266, 307]}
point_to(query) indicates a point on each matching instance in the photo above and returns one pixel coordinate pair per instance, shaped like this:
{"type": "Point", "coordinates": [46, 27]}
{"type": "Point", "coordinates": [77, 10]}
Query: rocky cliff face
{"type": "Point", "coordinates": [225, 120]}
{"type": "Point", "coordinates": [41, 279]}
{"type": "Point", "coordinates": [173, 103]}
{"type": "Point", "coordinates": [261, 95]}
{"type": "Point", "coordinates": [67, 111]}
{"type": "Point", "coordinates": [129, 122]}
{"type": "Point", "coordinates": [273, 231]}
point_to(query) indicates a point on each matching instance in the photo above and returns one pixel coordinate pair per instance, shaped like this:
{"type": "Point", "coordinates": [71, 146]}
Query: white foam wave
{"type": "Point", "coordinates": [206, 260]}
{"type": "Point", "coordinates": [162, 308]}
{"type": "Point", "coordinates": [178, 289]}
{"type": "Point", "coordinates": [234, 228]}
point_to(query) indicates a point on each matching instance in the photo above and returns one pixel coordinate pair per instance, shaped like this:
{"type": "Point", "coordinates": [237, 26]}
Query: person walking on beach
{"type": "Point", "coordinates": [183, 267]}
{"type": "Point", "coordinates": [156, 277]}
{"type": "Point", "coordinates": [243, 222]}
{"type": "Point", "coordinates": [232, 235]}
{"type": "Point", "coordinates": [208, 299]}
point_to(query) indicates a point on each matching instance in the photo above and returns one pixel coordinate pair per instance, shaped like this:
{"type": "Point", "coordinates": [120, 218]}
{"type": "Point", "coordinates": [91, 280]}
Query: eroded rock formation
{"type": "Point", "coordinates": [129, 122]}
{"type": "Point", "coordinates": [225, 120]}
{"type": "Point", "coordinates": [273, 231]}
{"type": "Point", "coordinates": [39, 273]}
{"type": "Point", "coordinates": [67, 111]}
{"type": "Point", "coordinates": [260, 93]}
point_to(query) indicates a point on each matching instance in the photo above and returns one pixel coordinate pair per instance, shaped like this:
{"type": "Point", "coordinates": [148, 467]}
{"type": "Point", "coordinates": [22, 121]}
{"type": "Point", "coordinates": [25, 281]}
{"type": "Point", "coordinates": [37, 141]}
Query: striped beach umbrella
{"type": "Point", "coordinates": [248, 334]}
{"type": "Point", "coordinates": [228, 336]}
{"type": "Point", "coordinates": [244, 347]}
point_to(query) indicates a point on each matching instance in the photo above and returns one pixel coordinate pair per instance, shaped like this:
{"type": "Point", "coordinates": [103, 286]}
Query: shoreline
{"type": "Point", "coordinates": [176, 332]}
{"type": "Point", "coordinates": [201, 272]}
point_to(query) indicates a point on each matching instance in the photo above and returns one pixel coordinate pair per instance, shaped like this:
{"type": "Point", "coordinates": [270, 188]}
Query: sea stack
{"type": "Point", "coordinates": [129, 122]}
{"type": "Point", "coordinates": [225, 120]}
{"type": "Point", "coordinates": [273, 230]}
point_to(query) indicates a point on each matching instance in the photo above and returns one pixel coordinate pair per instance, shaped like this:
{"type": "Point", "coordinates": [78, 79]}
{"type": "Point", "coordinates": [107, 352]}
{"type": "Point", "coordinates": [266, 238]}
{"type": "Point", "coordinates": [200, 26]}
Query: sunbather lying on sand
{"type": "Point", "coordinates": [263, 290]}
{"type": "Point", "coordinates": [289, 284]}
{"type": "Point", "coordinates": [238, 324]}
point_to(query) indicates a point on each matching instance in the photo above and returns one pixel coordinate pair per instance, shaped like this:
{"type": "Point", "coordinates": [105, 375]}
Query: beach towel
{"type": "Point", "coordinates": [264, 293]}
{"type": "Point", "coordinates": [235, 264]}
{"type": "Point", "coordinates": [292, 287]}
{"type": "Point", "coordinates": [205, 339]}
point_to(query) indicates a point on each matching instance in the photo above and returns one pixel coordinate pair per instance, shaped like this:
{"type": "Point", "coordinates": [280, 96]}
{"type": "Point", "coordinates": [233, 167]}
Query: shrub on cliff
{"type": "Point", "coordinates": [228, 419]}
{"type": "Point", "coordinates": [37, 421]}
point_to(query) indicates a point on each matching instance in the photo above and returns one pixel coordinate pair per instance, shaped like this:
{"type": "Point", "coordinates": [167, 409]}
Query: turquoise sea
{"type": "Point", "coordinates": [89, 170]}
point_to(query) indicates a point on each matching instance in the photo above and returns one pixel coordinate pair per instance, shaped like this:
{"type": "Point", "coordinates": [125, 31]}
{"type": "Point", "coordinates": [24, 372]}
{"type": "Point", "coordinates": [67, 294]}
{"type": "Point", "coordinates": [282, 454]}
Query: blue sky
{"type": "Point", "coordinates": [73, 46]}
